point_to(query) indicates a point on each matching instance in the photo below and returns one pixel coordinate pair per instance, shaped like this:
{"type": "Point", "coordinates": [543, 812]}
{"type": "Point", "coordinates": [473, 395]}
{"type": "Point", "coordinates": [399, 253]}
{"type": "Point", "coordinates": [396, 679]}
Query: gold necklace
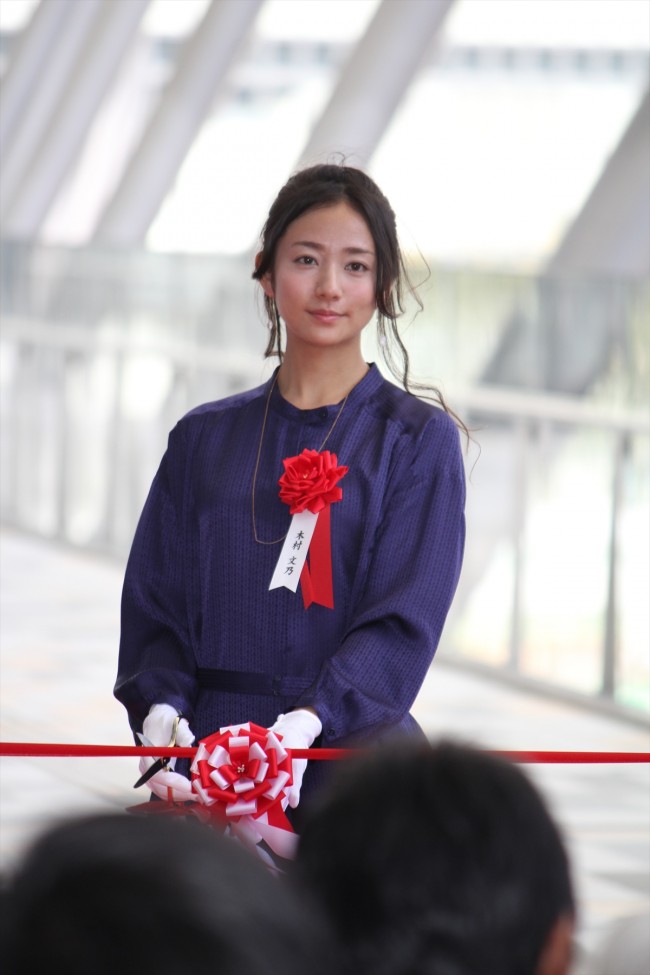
{"type": "Point", "coordinates": [259, 454]}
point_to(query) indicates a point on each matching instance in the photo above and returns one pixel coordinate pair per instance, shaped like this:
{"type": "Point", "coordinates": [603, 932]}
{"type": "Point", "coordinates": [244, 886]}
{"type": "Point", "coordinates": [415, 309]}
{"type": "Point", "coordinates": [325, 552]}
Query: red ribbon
{"type": "Point", "coordinates": [36, 749]}
{"type": "Point", "coordinates": [240, 775]}
{"type": "Point", "coordinates": [243, 771]}
{"type": "Point", "coordinates": [316, 578]}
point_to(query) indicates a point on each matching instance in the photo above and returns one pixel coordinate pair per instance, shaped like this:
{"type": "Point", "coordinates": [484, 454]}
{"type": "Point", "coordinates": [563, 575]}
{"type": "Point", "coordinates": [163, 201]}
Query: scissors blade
{"type": "Point", "coordinates": [157, 766]}
{"type": "Point", "coordinates": [160, 763]}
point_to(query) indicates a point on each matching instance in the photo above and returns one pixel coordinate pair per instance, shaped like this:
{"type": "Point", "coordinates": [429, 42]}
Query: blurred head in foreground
{"type": "Point", "coordinates": [440, 861]}
{"type": "Point", "coordinates": [120, 893]}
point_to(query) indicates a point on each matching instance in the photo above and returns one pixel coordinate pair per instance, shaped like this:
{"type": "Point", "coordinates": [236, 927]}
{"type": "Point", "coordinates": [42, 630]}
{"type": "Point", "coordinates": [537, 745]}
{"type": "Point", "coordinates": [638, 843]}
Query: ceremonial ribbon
{"type": "Point", "coordinates": [35, 749]}
{"type": "Point", "coordinates": [241, 773]}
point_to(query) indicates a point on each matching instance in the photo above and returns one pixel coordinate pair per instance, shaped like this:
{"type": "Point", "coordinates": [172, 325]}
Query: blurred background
{"type": "Point", "coordinates": [142, 143]}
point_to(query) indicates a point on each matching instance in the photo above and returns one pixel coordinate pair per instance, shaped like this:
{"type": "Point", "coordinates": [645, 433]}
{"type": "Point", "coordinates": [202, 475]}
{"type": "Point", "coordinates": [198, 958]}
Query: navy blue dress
{"type": "Point", "coordinates": [201, 630]}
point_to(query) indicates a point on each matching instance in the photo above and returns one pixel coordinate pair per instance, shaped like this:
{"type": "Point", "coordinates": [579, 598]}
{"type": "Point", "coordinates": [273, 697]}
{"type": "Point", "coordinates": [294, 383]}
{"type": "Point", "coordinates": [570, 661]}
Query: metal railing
{"type": "Point", "coordinates": [85, 416]}
{"type": "Point", "coordinates": [538, 433]}
{"type": "Point", "coordinates": [102, 351]}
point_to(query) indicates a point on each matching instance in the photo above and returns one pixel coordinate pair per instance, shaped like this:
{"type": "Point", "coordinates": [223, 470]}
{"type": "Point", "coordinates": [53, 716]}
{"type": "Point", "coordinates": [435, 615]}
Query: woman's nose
{"type": "Point", "coordinates": [328, 284]}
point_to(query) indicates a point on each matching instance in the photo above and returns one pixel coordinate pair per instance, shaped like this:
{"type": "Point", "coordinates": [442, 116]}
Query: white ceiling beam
{"type": "Point", "coordinates": [611, 233]}
{"type": "Point", "coordinates": [34, 45]}
{"type": "Point", "coordinates": [374, 79]}
{"type": "Point", "coordinates": [38, 76]}
{"type": "Point", "coordinates": [204, 64]}
{"type": "Point", "coordinates": [109, 29]}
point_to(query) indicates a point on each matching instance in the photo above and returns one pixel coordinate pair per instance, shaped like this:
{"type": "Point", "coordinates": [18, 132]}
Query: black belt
{"type": "Point", "coordinates": [245, 682]}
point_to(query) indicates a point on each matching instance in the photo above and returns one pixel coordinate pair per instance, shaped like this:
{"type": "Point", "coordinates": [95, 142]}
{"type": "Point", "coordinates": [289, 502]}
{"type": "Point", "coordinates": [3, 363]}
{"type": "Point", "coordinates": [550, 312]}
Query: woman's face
{"type": "Point", "coordinates": [323, 279]}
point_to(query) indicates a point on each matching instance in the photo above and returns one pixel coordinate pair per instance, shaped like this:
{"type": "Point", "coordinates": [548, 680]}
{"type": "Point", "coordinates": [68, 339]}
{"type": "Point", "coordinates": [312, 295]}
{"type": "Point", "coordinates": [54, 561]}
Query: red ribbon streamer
{"type": "Point", "coordinates": [47, 750]}
{"type": "Point", "coordinates": [316, 578]}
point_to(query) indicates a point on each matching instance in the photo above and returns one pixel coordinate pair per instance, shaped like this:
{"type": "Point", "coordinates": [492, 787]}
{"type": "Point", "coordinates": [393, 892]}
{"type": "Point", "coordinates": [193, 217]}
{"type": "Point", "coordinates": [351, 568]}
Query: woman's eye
{"type": "Point", "coordinates": [357, 266]}
{"type": "Point", "coordinates": [306, 259]}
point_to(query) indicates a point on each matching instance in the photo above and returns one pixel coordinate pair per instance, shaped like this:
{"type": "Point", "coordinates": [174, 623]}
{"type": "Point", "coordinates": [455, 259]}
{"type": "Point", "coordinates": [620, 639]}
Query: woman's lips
{"type": "Point", "coordinates": [324, 315]}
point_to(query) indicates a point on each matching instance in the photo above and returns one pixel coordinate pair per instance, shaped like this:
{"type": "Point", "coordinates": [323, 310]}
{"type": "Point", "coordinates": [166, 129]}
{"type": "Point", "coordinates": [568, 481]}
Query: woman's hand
{"type": "Point", "coordinates": [298, 729]}
{"type": "Point", "coordinates": [163, 727]}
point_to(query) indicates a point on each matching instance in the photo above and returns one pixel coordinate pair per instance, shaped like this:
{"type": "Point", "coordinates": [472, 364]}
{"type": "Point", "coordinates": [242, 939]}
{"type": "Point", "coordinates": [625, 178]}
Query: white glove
{"type": "Point", "coordinates": [157, 731]}
{"type": "Point", "coordinates": [299, 729]}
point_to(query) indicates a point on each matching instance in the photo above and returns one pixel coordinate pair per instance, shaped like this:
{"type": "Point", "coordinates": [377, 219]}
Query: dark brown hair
{"type": "Point", "coordinates": [463, 870]}
{"type": "Point", "coordinates": [324, 186]}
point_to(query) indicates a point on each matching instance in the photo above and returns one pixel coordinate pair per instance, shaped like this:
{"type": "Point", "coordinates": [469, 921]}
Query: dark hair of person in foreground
{"type": "Point", "coordinates": [130, 894]}
{"type": "Point", "coordinates": [440, 861]}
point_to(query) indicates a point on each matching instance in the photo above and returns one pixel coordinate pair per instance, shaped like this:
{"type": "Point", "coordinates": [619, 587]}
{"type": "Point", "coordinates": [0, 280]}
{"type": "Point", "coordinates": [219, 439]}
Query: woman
{"type": "Point", "coordinates": [203, 634]}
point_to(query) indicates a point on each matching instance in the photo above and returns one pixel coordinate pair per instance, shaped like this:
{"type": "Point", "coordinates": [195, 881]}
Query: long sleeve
{"type": "Point", "coordinates": [375, 674]}
{"type": "Point", "coordinates": [155, 662]}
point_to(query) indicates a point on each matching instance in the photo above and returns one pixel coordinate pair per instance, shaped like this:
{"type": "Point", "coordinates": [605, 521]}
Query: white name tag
{"type": "Point", "coordinates": [294, 551]}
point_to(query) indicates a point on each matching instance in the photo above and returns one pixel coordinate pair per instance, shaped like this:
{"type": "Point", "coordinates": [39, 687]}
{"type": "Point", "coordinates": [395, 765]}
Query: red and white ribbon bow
{"type": "Point", "coordinates": [241, 774]}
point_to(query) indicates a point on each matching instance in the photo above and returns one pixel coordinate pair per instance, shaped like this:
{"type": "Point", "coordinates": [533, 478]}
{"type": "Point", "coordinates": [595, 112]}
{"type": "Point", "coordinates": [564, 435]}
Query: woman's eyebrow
{"type": "Point", "coordinates": [319, 247]}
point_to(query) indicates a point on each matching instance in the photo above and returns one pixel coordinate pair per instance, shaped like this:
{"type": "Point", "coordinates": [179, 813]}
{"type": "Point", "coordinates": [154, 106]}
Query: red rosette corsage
{"type": "Point", "coordinates": [309, 481]}
{"type": "Point", "coordinates": [309, 487]}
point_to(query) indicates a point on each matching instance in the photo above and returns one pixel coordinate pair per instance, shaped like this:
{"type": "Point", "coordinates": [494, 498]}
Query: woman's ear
{"type": "Point", "coordinates": [265, 280]}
